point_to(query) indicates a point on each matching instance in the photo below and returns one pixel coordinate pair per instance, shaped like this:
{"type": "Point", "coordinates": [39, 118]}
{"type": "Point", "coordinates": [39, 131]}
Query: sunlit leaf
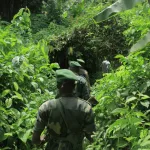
{"type": "Point", "coordinates": [119, 111]}
{"type": "Point", "coordinates": [41, 79]}
{"type": "Point", "coordinates": [19, 96]}
{"type": "Point", "coordinates": [119, 56]}
{"type": "Point", "coordinates": [16, 86]}
{"type": "Point", "coordinates": [145, 103]}
{"type": "Point", "coordinates": [2, 109]}
{"type": "Point", "coordinates": [34, 84]}
{"type": "Point", "coordinates": [141, 43]}
{"type": "Point", "coordinates": [143, 133]}
{"type": "Point", "coordinates": [131, 99]}
{"type": "Point", "coordinates": [65, 14]}
{"type": "Point", "coordinates": [19, 13]}
{"type": "Point", "coordinates": [8, 102]}
{"type": "Point", "coordinates": [145, 97]}
{"type": "Point", "coordinates": [54, 65]}
{"type": "Point", "coordinates": [5, 92]}
{"type": "Point", "coordinates": [8, 134]}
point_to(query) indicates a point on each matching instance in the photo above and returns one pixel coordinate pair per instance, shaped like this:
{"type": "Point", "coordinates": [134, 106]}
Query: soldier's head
{"type": "Point", "coordinates": [65, 81]}
{"type": "Point", "coordinates": [74, 66]}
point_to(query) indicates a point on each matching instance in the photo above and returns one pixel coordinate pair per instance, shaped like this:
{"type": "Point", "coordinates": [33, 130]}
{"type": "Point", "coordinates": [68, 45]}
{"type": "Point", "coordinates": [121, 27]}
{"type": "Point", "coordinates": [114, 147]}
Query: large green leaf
{"type": "Point", "coordinates": [2, 135]}
{"type": "Point", "coordinates": [24, 135]}
{"type": "Point", "coordinates": [5, 92]}
{"type": "Point", "coordinates": [16, 86]}
{"type": "Point", "coordinates": [8, 102]}
{"type": "Point", "coordinates": [141, 43]}
{"type": "Point", "coordinates": [145, 104]}
{"type": "Point", "coordinates": [131, 99]}
{"type": "Point", "coordinates": [18, 95]}
{"type": "Point", "coordinates": [119, 111]}
{"type": "Point", "coordinates": [120, 5]}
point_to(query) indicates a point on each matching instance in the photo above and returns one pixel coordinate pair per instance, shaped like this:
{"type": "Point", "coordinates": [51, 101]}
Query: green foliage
{"type": "Point", "coordinates": [26, 81]}
{"type": "Point", "coordinates": [82, 38]}
{"type": "Point", "coordinates": [90, 42]}
{"type": "Point", "coordinates": [27, 78]}
{"type": "Point", "coordinates": [39, 21]}
{"type": "Point", "coordinates": [141, 43]}
{"type": "Point", "coordinates": [138, 31]}
{"type": "Point", "coordinates": [122, 115]}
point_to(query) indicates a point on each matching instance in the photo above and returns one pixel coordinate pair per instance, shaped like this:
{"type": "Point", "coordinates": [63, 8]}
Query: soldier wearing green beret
{"type": "Point", "coordinates": [82, 88]}
{"type": "Point", "coordinates": [83, 72]}
{"type": "Point", "coordinates": [67, 119]}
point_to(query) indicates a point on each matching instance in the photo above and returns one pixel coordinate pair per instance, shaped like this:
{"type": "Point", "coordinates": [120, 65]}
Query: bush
{"type": "Point", "coordinates": [26, 81]}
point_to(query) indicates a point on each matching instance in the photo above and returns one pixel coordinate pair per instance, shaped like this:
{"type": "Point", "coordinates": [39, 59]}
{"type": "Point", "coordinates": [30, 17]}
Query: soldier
{"type": "Point", "coordinates": [83, 72]}
{"type": "Point", "coordinates": [106, 66]}
{"type": "Point", "coordinates": [68, 119]}
{"type": "Point", "coordinates": [82, 89]}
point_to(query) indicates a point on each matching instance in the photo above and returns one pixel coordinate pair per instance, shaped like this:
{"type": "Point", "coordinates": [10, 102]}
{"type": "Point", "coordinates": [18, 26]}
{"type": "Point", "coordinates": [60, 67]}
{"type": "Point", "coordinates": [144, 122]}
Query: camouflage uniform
{"type": "Point", "coordinates": [78, 115]}
{"type": "Point", "coordinates": [83, 72]}
{"type": "Point", "coordinates": [68, 119]}
{"type": "Point", "coordinates": [106, 66]}
{"type": "Point", "coordinates": [82, 88]}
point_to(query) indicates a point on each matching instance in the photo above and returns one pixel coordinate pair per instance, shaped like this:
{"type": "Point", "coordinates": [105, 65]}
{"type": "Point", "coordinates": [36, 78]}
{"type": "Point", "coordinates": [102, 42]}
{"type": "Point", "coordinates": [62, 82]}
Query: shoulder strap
{"type": "Point", "coordinates": [61, 112]}
{"type": "Point", "coordinates": [60, 109]}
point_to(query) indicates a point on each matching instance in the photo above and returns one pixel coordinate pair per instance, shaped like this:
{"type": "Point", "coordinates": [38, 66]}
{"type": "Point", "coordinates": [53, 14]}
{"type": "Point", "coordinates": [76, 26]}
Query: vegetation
{"type": "Point", "coordinates": [25, 81]}
{"type": "Point", "coordinates": [31, 45]}
{"type": "Point", "coordinates": [123, 114]}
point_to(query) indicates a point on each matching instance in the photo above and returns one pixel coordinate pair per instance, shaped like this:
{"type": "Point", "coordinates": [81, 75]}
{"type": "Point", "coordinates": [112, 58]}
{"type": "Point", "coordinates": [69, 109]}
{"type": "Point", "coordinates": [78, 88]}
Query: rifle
{"type": "Point", "coordinates": [93, 101]}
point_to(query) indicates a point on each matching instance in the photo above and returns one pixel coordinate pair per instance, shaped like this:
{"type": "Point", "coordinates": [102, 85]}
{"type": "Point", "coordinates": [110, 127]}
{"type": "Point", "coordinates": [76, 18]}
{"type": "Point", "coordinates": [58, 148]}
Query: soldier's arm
{"type": "Point", "coordinates": [41, 122]}
{"type": "Point", "coordinates": [87, 77]}
{"type": "Point", "coordinates": [85, 91]}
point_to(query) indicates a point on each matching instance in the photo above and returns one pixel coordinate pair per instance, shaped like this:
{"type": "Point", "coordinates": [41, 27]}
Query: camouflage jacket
{"type": "Point", "coordinates": [78, 115]}
{"type": "Point", "coordinates": [82, 89]}
{"type": "Point", "coordinates": [84, 73]}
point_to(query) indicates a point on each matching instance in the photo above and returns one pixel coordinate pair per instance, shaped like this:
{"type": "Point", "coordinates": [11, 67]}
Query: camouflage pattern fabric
{"type": "Point", "coordinates": [82, 89]}
{"type": "Point", "coordinates": [84, 73]}
{"type": "Point", "coordinates": [79, 117]}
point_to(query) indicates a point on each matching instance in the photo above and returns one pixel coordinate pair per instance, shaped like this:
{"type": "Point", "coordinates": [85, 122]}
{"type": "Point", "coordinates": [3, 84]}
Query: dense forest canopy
{"type": "Point", "coordinates": [42, 37]}
{"type": "Point", "coordinates": [8, 8]}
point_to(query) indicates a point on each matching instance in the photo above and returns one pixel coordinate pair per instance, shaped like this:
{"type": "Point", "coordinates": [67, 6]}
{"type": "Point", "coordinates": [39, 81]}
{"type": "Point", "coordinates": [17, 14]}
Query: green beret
{"type": "Point", "coordinates": [74, 64]}
{"type": "Point", "coordinates": [65, 74]}
{"type": "Point", "coordinates": [80, 60]}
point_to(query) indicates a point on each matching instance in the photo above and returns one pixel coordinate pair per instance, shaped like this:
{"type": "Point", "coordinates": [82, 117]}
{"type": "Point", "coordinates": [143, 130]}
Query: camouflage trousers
{"type": "Point", "coordinates": [54, 144]}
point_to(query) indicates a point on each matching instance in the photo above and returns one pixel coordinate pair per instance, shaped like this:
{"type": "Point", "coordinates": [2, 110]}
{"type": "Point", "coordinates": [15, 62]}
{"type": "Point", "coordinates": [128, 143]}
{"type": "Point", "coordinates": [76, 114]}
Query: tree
{"type": "Point", "coordinates": [8, 8]}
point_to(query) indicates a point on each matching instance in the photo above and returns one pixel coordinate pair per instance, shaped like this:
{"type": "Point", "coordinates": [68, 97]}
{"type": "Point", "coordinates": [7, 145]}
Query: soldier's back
{"type": "Point", "coordinates": [82, 89]}
{"type": "Point", "coordinates": [75, 111]}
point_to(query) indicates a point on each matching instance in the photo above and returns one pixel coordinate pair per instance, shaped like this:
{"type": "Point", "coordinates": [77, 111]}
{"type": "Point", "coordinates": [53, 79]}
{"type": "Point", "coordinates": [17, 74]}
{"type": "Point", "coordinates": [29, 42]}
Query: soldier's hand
{"type": "Point", "coordinates": [42, 139]}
